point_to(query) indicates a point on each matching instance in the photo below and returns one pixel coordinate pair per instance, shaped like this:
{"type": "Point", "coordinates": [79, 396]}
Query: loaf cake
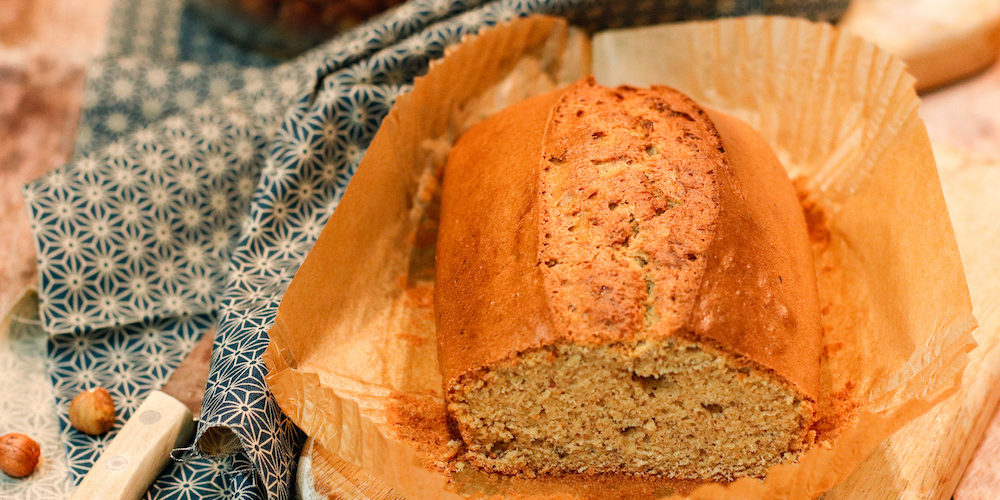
{"type": "Point", "coordinates": [624, 286]}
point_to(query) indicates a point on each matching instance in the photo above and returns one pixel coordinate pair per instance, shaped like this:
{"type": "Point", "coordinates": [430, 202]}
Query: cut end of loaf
{"type": "Point", "coordinates": [672, 408]}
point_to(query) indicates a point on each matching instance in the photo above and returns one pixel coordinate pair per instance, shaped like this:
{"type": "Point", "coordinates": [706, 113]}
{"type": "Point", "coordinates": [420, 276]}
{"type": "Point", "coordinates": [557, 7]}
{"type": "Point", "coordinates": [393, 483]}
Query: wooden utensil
{"type": "Point", "coordinates": [163, 422]}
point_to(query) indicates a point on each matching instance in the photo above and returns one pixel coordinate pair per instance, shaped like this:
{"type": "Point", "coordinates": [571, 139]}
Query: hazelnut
{"type": "Point", "coordinates": [92, 411]}
{"type": "Point", "coordinates": [18, 454]}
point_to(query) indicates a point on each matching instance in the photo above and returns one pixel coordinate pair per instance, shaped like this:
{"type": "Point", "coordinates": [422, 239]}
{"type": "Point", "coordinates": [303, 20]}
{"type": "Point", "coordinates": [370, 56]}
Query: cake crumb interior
{"type": "Point", "coordinates": [672, 407]}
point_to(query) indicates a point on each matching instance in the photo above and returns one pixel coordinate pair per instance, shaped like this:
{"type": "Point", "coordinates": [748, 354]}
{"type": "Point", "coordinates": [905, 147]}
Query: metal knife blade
{"type": "Point", "coordinates": [187, 384]}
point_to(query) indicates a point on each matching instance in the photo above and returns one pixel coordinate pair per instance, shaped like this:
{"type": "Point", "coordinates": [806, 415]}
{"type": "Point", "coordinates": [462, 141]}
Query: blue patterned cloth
{"type": "Point", "coordinates": [202, 176]}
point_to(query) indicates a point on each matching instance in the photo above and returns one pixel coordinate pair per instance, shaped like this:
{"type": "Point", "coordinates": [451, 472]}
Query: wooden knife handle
{"type": "Point", "coordinates": [139, 451]}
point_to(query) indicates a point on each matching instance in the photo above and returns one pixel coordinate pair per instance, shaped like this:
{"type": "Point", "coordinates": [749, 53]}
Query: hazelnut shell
{"type": "Point", "coordinates": [18, 454]}
{"type": "Point", "coordinates": [92, 412]}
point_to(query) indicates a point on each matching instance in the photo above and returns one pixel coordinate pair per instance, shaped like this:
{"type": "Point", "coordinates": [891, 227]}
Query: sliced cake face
{"type": "Point", "coordinates": [672, 407]}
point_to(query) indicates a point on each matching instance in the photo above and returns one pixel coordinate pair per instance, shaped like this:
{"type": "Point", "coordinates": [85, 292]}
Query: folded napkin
{"type": "Point", "coordinates": [202, 177]}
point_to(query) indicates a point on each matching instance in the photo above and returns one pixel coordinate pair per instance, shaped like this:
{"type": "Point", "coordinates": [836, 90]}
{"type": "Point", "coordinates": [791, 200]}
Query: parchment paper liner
{"type": "Point", "coordinates": [353, 358]}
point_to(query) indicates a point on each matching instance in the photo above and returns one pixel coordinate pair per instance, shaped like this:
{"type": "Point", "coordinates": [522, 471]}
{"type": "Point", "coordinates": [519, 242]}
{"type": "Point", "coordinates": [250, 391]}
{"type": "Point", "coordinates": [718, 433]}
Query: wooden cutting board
{"type": "Point", "coordinates": [926, 459]}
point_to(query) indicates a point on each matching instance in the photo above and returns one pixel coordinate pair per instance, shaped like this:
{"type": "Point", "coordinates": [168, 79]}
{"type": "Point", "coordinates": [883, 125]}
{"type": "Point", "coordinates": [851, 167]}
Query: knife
{"type": "Point", "coordinates": [164, 421]}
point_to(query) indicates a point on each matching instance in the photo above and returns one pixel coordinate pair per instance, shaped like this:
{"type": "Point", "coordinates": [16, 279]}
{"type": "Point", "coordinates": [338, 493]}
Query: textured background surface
{"type": "Point", "coordinates": [44, 49]}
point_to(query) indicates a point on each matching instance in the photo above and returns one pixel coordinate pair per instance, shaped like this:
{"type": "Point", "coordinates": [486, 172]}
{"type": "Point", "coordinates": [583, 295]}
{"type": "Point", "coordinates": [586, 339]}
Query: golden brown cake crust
{"type": "Point", "coordinates": [628, 203]}
{"type": "Point", "coordinates": [595, 215]}
{"type": "Point", "coordinates": [758, 296]}
{"type": "Point", "coordinates": [487, 280]}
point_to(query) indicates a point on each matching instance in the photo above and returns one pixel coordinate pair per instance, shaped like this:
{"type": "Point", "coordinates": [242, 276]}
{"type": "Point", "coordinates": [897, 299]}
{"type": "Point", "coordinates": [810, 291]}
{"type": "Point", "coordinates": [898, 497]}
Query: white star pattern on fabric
{"type": "Point", "coordinates": [27, 406]}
